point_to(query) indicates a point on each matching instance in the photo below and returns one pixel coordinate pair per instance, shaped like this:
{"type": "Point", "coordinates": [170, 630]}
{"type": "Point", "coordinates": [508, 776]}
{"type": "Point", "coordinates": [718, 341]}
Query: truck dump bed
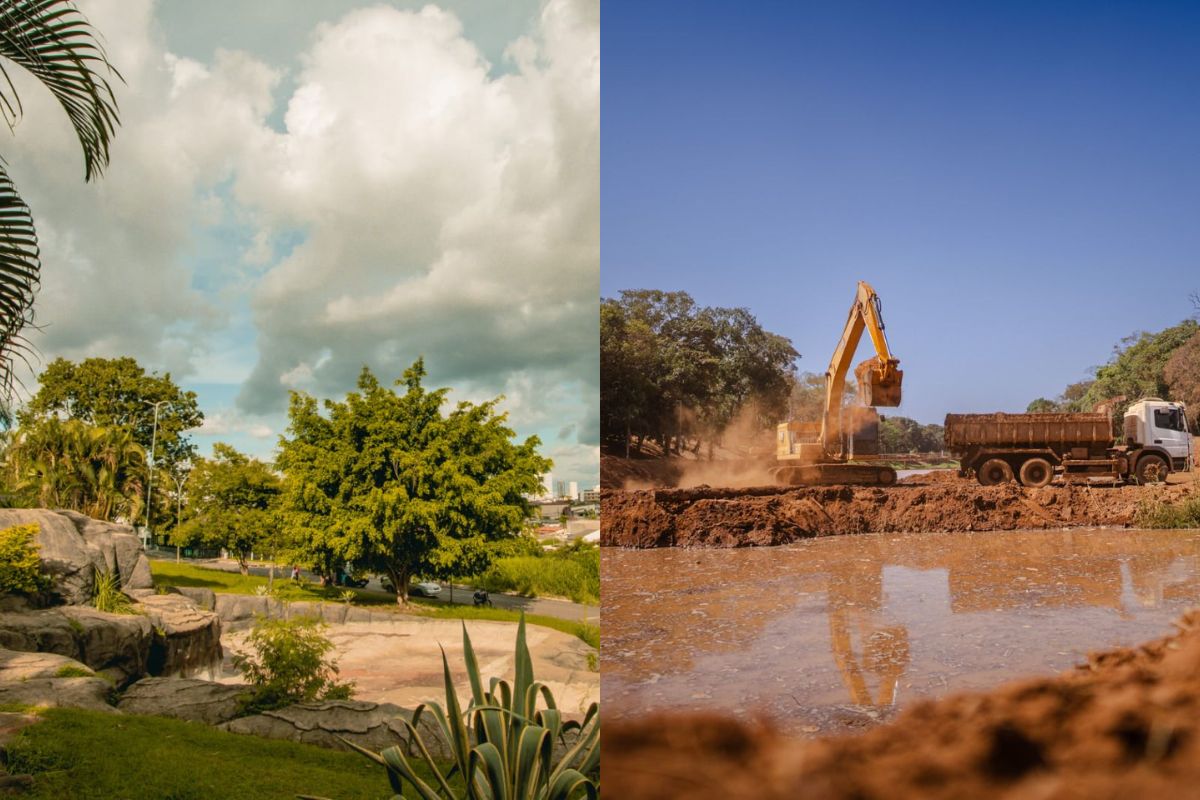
{"type": "Point", "coordinates": [1058, 431]}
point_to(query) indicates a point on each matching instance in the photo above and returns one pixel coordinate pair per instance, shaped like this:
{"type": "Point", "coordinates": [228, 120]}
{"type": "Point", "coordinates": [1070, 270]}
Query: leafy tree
{"type": "Point", "coordinates": [95, 470]}
{"type": "Point", "coordinates": [671, 369]}
{"type": "Point", "coordinates": [460, 558]}
{"type": "Point", "coordinates": [1136, 369]}
{"type": "Point", "coordinates": [52, 41]}
{"type": "Point", "coordinates": [806, 403]}
{"type": "Point", "coordinates": [117, 392]}
{"type": "Point", "coordinates": [1041, 406]}
{"type": "Point", "coordinates": [387, 477]}
{"type": "Point", "coordinates": [231, 504]}
{"type": "Point", "coordinates": [1182, 376]}
{"type": "Point", "coordinates": [904, 435]}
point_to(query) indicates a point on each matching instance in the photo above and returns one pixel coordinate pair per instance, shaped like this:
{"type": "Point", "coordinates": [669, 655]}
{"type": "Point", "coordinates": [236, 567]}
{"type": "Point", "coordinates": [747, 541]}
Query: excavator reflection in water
{"type": "Point", "coordinates": [840, 448]}
{"type": "Point", "coordinates": [854, 602]}
{"type": "Point", "coordinates": [849, 627]}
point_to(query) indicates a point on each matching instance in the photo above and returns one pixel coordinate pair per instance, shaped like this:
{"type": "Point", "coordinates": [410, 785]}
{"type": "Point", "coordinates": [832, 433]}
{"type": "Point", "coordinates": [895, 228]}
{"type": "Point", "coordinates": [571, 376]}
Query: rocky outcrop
{"type": "Point", "coordinates": [168, 636]}
{"type": "Point", "coordinates": [47, 679]}
{"type": "Point", "coordinates": [372, 725]}
{"type": "Point", "coordinates": [72, 547]}
{"type": "Point", "coordinates": [64, 554]}
{"type": "Point", "coordinates": [183, 698]}
{"type": "Point", "coordinates": [187, 638]}
{"type": "Point", "coordinates": [204, 598]}
{"type": "Point", "coordinates": [116, 644]}
{"type": "Point", "coordinates": [239, 611]}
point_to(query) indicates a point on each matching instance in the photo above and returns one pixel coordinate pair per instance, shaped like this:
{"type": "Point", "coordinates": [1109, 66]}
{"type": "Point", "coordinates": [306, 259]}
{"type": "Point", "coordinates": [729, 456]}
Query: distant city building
{"type": "Point", "coordinates": [590, 495]}
{"type": "Point", "coordinates": [573, 490]}
{"type": "Point", "coordinates": [553, 509]}
{"type": "Point", "coordinates": [548, 484]}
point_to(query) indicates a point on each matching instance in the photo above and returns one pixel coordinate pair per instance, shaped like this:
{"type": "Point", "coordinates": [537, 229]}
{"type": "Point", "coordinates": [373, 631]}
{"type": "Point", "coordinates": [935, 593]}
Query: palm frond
{"type": "Point", "coordinates": [20, 266]}
{"type": "Point", "coordinates": [54, 42]}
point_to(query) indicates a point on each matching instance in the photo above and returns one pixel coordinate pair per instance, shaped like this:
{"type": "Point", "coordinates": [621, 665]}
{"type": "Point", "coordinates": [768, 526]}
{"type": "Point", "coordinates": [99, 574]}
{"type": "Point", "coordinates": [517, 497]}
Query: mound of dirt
{"type": "Point", "coordinates": [1126, 724]}
{"type": "Point", "coordinates": [770, 515]}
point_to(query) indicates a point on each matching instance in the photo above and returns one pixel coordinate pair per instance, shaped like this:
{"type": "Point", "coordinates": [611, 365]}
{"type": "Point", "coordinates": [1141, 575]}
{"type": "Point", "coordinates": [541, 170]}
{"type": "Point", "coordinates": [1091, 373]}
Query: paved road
{"type": "Point", "coordinates": [563, 609]}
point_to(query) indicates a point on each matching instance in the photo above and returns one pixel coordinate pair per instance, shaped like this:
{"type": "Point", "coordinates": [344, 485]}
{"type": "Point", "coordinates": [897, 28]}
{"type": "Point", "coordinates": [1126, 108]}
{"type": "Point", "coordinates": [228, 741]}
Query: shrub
{"type": "Point", "coordinates": [290, 664]}
{"type": "Point", "coordinates": [572, 573]}
{"type": "Point", "coordinates": [107, 594]}
{"type": "Point", "coordinates": [20, 567]}
{"type": "Point", "coordinates": [1162, 514]}
{"type": "Point", "coordinates": [503, 744]}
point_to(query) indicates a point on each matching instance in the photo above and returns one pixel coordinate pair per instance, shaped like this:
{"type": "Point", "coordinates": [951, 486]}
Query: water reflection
{"type": "Point", "coordinates": [835, 633]}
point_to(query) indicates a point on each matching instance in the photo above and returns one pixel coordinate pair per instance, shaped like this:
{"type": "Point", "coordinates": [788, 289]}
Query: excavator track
{"type": "Point", "coordinates": [834, 475]}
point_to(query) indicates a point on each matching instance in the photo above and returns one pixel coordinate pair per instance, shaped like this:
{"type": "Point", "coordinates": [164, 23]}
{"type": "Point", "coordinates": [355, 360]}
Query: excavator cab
{"type": "Point", "coordinates": [879, 382]}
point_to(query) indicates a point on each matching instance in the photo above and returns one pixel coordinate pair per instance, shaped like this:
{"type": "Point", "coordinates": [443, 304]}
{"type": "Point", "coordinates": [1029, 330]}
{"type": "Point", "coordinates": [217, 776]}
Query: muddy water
{"type": "Point", "coordinates": [838, 633]}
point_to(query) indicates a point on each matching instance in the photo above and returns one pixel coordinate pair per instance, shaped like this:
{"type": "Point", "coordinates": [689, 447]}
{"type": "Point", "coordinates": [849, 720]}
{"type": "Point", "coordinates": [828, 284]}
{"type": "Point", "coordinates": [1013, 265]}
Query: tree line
{"type": "Point", "coordinates": [677, 374]}
{"type": "Point", "coordinates": [1165, 364]}
{"type": "Point", "coordinates": [394, 480]}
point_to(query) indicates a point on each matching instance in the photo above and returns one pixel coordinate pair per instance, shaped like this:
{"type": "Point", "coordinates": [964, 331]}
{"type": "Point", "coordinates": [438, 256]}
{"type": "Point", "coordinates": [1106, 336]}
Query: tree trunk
{"type": "Point", "coordinates": [400, 578]}
{"type": "Point", "coordinates": [242, 564]}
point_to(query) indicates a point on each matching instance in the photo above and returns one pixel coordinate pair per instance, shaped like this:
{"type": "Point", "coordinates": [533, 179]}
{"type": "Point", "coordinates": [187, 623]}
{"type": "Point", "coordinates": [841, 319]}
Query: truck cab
{"type": "Point", "coordinates": [1160, 426]}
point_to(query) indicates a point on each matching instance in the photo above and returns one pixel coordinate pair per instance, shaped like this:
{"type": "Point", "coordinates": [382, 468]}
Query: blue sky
{"type": "Point", "coordinates": [1019, 181]}
{"type": "Point", "coordinates": [299, 188]}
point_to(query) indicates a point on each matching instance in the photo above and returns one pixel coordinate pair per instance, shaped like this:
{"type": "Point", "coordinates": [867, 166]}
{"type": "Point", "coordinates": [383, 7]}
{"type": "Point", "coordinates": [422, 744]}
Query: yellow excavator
{"type": "Point", "coordinates": [843, 448]}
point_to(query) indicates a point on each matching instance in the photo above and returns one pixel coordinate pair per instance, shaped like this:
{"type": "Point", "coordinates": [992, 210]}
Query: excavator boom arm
{"type": "Point", "coordinates": [878, 378]}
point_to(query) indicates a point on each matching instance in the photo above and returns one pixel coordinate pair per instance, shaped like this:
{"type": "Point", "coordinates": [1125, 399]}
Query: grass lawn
{"type": "Point", "coordinates": [85, 755]}
{"type": "Point", "coordinates": [168, 573]}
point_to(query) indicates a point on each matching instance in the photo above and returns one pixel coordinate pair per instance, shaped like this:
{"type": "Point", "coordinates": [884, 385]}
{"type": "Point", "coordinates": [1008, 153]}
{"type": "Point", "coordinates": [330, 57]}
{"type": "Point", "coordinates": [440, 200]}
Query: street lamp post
{"type": "Point", "coordinates": [178, 510]}
{"type": "Point", "coordinates": [150, 482]}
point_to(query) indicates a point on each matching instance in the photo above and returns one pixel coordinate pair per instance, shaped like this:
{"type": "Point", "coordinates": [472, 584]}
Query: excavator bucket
{"type": "Point", "coordinates": [879, 384]}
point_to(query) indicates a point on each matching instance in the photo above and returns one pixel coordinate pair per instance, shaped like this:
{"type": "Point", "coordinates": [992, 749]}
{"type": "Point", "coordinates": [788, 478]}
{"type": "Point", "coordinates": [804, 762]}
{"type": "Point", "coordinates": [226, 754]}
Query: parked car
{"type": "Point", "coordinates": [425, 589]}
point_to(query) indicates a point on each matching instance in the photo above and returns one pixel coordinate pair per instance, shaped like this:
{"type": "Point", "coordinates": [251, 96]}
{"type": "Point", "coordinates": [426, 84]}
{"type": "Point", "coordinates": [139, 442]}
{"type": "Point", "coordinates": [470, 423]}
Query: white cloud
{"type": "Point", "coordinates": [224, 422]}
{"type": "Point", "coordinates": [441, 208]}
{"type": "Point", "coordinates": [448, 213]}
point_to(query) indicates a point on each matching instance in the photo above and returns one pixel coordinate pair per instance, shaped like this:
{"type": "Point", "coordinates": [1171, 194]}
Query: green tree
{"type": "Point", "coordinates": [231, 502]}
{"type": "Point", "coordinates": [1182, 376]}
{"type": "Point", "coordinates": [460, 558]}
{"type": "Point", "coordinates": [1041, 406]}
{"type": "Point", "coordinates": [671, 370]}
{"type": "Point", "coordinates": [52, 41]}
{"type": "Point", "coordinates": [95, 470]}
{"type": "Point", "coordinates": [1136, 369]}
{"type": "Point", "coordinates": [904, 435]}
{"type": "Point", "coordinates": [387, 477]}
{"type": "Point", "coordinates": [117, 392]}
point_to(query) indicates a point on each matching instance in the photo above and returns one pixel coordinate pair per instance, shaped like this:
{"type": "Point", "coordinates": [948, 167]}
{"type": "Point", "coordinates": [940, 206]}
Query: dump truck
{"type": "Point", "coordinates": [1036, 448]}
{"type": "Point", "coordinates": [841, 448]}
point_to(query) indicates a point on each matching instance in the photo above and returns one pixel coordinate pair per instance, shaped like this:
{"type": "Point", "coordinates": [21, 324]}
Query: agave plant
{"type": "Point", "coordinates": [502, 745]}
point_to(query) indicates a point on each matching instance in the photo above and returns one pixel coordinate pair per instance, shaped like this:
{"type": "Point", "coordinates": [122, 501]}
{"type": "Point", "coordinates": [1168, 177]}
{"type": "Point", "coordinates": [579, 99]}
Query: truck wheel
{"type": "Point", "coordinates": [1151, 469]}
{"type": "Point", "coordinates": [994, 471]}
{"type": "Point", "coordinates": [1037, 472]}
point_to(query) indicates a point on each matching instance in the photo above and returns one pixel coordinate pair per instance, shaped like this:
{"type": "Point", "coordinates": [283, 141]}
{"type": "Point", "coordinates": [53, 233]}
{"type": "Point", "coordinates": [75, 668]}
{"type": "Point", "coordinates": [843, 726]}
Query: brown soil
{"type": "Point", "coordinates": [772, 515]}
{"type": "Point", "coordinates": [1126, 724]}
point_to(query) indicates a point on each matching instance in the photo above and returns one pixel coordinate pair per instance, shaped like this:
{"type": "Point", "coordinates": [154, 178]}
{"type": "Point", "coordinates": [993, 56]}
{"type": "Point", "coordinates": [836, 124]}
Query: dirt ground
{"type": "Point", "coordinates": [1126, 724]}
{"type": "Point", "coordinates": [940, 501]}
